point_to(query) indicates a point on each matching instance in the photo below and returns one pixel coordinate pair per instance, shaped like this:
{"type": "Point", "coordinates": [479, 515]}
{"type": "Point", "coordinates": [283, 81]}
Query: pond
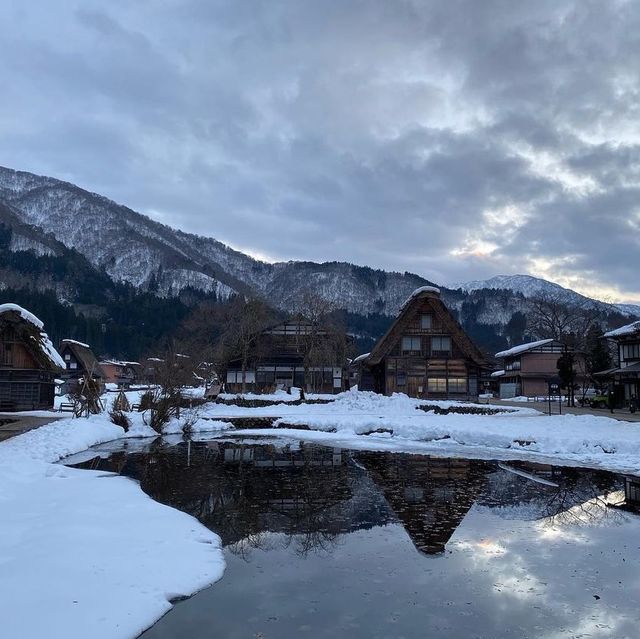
{"type": "Point", "coordinates": [326, 542]}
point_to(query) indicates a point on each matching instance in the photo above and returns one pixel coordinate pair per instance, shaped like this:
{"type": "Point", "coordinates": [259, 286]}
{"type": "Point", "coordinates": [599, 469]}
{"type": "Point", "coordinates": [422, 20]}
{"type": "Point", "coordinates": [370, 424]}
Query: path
{"type": "Point", "coordinates": [12, 424]}
{"type": "Point", "coordinates": [619, 413]}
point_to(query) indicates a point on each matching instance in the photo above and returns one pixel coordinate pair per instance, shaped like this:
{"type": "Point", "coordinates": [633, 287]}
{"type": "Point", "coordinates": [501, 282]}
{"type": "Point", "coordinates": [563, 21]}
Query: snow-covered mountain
{"type": "Point", "coordinates": [49, 217]}
{"type": "Point", "coordinates": [133, 248]}
{"type": "Point", "coordinates": [529, 286]}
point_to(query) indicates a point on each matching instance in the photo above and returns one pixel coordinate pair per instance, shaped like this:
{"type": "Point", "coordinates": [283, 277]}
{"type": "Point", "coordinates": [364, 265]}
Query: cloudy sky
{"type": "Point", "coordinates": [456, 139]}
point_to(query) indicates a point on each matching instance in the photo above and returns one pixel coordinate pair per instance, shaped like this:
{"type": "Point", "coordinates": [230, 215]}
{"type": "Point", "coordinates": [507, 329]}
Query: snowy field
{"type": "Point", "coordinates": [87, 554]}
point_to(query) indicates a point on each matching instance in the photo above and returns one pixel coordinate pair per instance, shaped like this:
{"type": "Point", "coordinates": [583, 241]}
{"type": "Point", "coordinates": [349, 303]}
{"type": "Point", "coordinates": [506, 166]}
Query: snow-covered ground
{"type": "Point", "coordinates": [88, 554]}
{"type": "Point", "coordinates": [354, 417]}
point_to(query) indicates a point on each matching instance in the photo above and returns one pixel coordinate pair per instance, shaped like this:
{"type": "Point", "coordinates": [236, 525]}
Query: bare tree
{"type": "Point", "coordinates": [240, 340]}
{"type": "Point", "coordinates": [324, 340]}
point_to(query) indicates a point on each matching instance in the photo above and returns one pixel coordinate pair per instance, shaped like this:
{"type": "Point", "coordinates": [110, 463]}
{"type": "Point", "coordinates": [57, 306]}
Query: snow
{"type": "Point", "coordinates": [88, 554]}
{"type": "Point", "coordinates": [520, 433]}
{"type": "Point", "coordinates": [30, 317]}
{"type": "Point", "coordinates": [629, 329]}
{"type": "Point", "coordinates": [522, 348]}
{"type": "Point", "coordinates": [73, 341]}
{"type": "Point", "coordinates": [419, 291]}
{"type": "Point", "coordinates": [498, 373]}
{"type": "Point", "coordinates": [50, 351]}
{"type": "Point", "coordinates": [360, 358]}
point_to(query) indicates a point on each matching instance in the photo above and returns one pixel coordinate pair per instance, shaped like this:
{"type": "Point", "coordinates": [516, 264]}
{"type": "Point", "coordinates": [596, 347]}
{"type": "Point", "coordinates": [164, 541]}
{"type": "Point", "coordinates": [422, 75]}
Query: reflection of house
{"type": "Point", "coordinates": [285, 352]}
{"type": "Point", "coordinates": [121, 373]}
{"type": "Point", "coordinates": [425, 353]}
{"type": "Point", "coordinates": [527, 369]}
{"type": "Point", "coordinates": [626, 377]}
{"type": "Point", "coordinates": [79, 360]}
{"type": "Point", "coordinates": [28, 361]}
{"type": "Point", "coordinates": [430, 496]}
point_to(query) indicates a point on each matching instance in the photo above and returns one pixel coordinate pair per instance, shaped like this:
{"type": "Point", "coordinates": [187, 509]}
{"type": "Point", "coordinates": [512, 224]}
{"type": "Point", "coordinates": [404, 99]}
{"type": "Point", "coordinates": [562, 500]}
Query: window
{"type": "Point", "coordinates": [401, 379]}
{"type": "Point", "coordinates": [457, 384]}
{"type": "Point", "coordinates": [425, 322]}
{"type": "Point", "coordinates": [411, 344]}
{"type": "Point", "coordinates": [630, 351]}
{"type": "Point", "coordinates": [513, 365]}
{"type": "Point", "coordinates": [67, 357]}
{"type": "Point", "coordinates": [437, 385]}
{"type": "Point", "coordinates": [73, 365]}
{"type": "Point", "coordinates": [440, 346]}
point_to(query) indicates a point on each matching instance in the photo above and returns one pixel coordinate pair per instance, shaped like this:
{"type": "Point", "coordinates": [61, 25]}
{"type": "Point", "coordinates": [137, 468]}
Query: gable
{"type": "Point", "coordinates": [409, 323]}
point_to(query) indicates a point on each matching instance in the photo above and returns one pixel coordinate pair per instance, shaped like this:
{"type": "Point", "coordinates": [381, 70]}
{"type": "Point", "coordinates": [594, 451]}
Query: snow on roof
{"type": "Point", "coordinates": [43, 341]}
{"type": "Point", "coordinates": [629, 329]}
{"type": "Point", "coordinates": [419, 291]}
{"type": "Point", "coordinates": [73, 341]}
{"type": "Point", "coordinates": [30, 317]}
{"type": "Point", "coordinates": [50, 351]}
{"type": "Point", "coordinates": [497, 373]}
{"type": "Point", "coordinates": [360, 358]}
{"type": "Point", "coordinates": [154, 359]}
{"type": "Point", "coordinates": [523, 348]}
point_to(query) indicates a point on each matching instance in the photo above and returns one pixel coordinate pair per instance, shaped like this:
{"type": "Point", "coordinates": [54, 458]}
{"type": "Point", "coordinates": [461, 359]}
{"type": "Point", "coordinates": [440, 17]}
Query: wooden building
{"type": "Point", "coordinates": [425, 353]}
{"type": "Point", "coordinates": [294, 353]}
{"type": "Point", "coordinates": [527, 369]}
{"type": "Point", "coordinates": [29, 363]}
{"type": "Point", "coordinates": [625, 378]}
{"type": "Point", "coordinates": [80, 362]}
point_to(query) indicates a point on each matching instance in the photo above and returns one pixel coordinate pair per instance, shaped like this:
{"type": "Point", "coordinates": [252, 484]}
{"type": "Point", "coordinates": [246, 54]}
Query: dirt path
{"type": "Point", "coordinates": [619, 414]}
{"type": "Point", "coordinates": [12, 424]}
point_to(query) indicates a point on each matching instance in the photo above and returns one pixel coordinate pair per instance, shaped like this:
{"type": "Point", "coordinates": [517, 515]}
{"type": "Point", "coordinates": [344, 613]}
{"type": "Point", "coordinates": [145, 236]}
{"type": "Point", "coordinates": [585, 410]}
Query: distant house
{"type": "Point", "coordinates": [123, 374]}
{"type": "Point", "coordinates": [425, 353]}
{"type": "Point", "coordinates": [282, 358]}
{"type": "Point", "coordinates": [527, 369]}
{"type": "Point", "coordinates": [79, 360]}
{"type": "Point", "coordinates": [29, 363]}
{"type": "Point", "coordinates": [625, 378]}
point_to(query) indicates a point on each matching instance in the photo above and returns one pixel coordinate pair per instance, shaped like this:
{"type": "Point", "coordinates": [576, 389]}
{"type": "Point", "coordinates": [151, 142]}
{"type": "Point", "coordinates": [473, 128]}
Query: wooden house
{"type": "Point", "coordinates": [625, 378]}
{"type": "Point", "coordinates": [29, 363]}
{"type": "Point", "coordinates": [425, 353]}
{"type": "Point", "coordinates": [80, 362]}
{"type": "Point", "coordinates": [527, 369]}
{"type": "Point", "coordinates": [294, 353]}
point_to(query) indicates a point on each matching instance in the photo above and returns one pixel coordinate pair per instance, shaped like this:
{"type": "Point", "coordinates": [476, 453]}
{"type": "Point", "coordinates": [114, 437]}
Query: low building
{"type": "Point", "coordinates": [294, 353]}
{"type": "Point", "coordinates": [625, 378]}
{"type": "Point", "coordinates": [527, 369]}
{"type": "Point", "coordinates": [80, 362]}
{"type": "Point", "coordinates": [425, 353]}
{"type": "Point", "coordinates": [29, 363]}
{"type": "Point", "coordinates": [123, 374]}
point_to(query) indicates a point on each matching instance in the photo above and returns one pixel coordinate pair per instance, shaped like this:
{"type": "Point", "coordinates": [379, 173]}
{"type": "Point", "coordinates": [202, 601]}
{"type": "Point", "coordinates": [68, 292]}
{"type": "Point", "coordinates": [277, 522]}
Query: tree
{"type": "Point", "coordinates": [240, 339]}
{"type": "Point", "coordinates": [567, 374]}
{"type": "Point", "coordinates": [324, 340]}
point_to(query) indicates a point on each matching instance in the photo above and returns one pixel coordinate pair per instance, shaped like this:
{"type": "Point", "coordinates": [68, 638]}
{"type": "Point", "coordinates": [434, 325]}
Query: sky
{"type": "Point", "coordinates": [455, 139]}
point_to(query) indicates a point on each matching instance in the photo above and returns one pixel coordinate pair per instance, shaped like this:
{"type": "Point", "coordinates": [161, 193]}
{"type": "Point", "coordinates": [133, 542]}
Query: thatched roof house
{"type": "Point", "coordinates": [79, 360]}
{"type": "Point", "coordinates": [28, 361]}
{"type": "Point", "coordinates": [425, 353]}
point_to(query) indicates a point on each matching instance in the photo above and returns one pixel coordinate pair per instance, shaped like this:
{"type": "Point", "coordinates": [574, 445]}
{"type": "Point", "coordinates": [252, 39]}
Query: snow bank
{"type": "Point", "coordinates": [520, 433]}
{"type": "Point", "coordinates": [87, 554]}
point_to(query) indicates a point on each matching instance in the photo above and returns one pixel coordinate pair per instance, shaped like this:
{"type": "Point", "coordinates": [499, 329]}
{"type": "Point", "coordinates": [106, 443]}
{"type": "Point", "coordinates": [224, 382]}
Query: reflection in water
{"type": "Point", "coordinates": [313, 494]}
{"type": "Point", "coordinates": [327, 543]}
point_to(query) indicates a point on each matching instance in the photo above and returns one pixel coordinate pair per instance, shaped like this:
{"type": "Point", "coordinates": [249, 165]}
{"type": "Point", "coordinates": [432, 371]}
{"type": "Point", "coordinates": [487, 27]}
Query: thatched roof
{"type": "Point", "coordinates": [83, 353]}
{"type": "Point", "coordinates": [28, 329]}
{"type": "Point", "coordinates": [408, 312]}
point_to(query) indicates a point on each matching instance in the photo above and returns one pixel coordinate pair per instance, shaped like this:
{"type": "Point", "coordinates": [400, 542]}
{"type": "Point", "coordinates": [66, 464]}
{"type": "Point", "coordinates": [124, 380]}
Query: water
{"type": "Point", "coordinates": [324, 542]}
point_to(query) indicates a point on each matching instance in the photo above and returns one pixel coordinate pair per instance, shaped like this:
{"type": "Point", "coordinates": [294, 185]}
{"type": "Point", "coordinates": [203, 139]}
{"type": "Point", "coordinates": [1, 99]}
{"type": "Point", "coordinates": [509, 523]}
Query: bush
{"type": "Point", "coordinates": [120, 419]}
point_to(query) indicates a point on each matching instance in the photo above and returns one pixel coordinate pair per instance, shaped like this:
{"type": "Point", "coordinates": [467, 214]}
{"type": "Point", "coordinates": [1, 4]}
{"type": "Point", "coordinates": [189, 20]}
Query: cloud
{"type": "Point", "coordinates": [458, 140]}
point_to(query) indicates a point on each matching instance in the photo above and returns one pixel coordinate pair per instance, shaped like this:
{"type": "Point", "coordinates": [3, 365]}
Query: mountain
{"type": "Point", "coordinates": [529, 286]}
{"type": "Point", "coordinates": [125, 275]}
{"type": "Point", "coordinates": [132, 248]}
